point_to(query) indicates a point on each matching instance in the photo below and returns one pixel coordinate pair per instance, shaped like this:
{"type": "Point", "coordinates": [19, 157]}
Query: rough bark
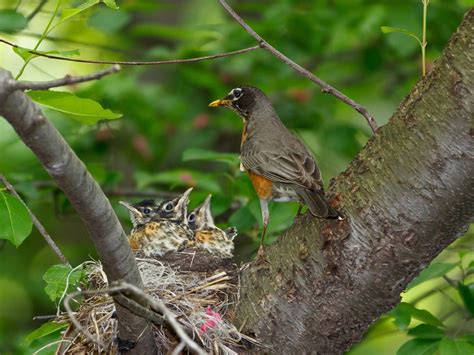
{"type": "Point", "coordinates": [407, 195]}
{"type": "Point", "coordinates": [71, 175]}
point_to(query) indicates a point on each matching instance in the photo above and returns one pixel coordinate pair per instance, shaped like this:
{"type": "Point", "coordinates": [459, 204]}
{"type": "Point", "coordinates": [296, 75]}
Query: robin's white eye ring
{"type": "Point", "coordinates": [192, 217]}
{"type": "Point", "coordinates": [146, 210]}
{"type": "Point", "coordinates": [169, 207]}
{"type": "Point", "coordinates": [237, 93]}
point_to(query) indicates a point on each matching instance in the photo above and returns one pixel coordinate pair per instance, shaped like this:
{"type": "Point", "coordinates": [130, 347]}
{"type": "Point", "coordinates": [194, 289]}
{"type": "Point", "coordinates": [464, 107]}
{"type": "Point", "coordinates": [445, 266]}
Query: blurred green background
{"type": "Point", "coordinates": [168, 138]}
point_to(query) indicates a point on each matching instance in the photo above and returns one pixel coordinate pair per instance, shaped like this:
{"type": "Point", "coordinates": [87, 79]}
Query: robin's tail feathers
{"type": "Point", "coordinates": [318, 205]}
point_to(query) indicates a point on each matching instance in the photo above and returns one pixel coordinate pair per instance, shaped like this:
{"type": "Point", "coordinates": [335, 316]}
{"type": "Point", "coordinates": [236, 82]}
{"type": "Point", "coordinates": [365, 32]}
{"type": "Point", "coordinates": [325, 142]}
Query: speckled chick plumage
{"type": "Point", "coordinates": [207, 235]}
{"type": "Point", "coordinates": [160, 228]}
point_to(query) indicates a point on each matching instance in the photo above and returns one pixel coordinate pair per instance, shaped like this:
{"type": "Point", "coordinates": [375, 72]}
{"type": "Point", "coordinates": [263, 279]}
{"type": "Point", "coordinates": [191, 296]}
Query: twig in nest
{"type": "Point", "coordinates": [35, 221]}
{"type": "Point", "coordinates": [325, 87]}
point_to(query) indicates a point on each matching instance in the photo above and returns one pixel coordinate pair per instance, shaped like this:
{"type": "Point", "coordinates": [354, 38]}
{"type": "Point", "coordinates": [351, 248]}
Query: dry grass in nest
{"type": "Point", "coordinates": [201, 301]}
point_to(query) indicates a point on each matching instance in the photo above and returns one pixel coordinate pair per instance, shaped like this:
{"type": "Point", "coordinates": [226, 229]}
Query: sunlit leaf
{"type": "Point", "coordinates": [45, 329]}
{"type": "Point", "coordinates": [26, 54]}
{"type": "Point", "coordinates": [418, 347]}
{"type": "Point", "coordinates": [56, 278]}
{"type": "Point", "coordinates": [203, 154]}
{"type": "Point", "coordinates": [12, 21]}
{"type": "Point", "coordinates": [66, 14]}
{"type": "Point", "coordinates": [15, 222]}
{"type": "Point", "coordinates": [85, 111]}
{"type": "Point", "coordinates": [433, 271]}
{"type": "Point", "coordinates": [467, 294]}
{"type": "Point", "coordinates": [388, 29]}
{"type": "Point", "coordinates": [426, 331]}
{"type": "Point", "coordinates": [449, 346]}
{"type": "Point", "coordinates": [111, 4]}
{"type": "Point", "coordinates": [404, 312]}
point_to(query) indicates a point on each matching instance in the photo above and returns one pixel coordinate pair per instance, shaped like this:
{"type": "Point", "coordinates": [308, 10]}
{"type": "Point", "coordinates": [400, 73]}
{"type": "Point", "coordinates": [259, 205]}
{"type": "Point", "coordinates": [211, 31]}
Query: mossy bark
{"type": "Point", "coordinates": [407, 195]}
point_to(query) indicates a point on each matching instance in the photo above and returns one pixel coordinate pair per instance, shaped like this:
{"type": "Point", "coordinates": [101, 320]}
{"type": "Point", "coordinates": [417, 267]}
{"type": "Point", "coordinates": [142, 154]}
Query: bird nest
{"type": "Point", "coordinates": [201, 301]}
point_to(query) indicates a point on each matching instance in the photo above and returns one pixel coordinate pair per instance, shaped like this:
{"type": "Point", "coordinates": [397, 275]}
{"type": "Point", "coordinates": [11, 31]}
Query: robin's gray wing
{"type": "Point", "coordinates": [288, 167]}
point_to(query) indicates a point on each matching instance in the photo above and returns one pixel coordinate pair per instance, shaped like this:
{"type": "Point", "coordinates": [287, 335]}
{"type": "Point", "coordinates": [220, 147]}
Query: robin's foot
{"type": "Point", "coordinates": [261, 259]}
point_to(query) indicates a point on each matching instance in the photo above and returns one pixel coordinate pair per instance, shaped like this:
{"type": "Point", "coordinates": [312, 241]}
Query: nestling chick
{"type": "Point", "coordinates": [209, 237]}
{"type": "Point", "coordinates": [159, 229]}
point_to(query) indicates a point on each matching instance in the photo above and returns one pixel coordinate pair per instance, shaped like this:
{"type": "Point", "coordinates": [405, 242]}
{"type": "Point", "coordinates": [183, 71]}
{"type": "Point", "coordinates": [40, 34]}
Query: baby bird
{"type": "Point", "coordinates": [159, 229]}
{"type": "Point", "coordinates": [209, 237]}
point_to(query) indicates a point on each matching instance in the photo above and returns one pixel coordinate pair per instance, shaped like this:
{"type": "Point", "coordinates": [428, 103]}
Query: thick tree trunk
{"type": "Point", "coordinates": [408, 194]}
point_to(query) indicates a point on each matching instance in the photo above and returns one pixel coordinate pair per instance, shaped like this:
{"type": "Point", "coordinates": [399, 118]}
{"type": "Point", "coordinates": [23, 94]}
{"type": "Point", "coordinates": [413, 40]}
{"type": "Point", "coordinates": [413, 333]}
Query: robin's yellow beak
{"type": "Point", "coordinates": [221, 102]}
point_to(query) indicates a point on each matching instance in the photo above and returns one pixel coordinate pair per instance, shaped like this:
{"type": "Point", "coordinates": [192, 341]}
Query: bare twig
{"type": "Point", "coordinates": [35, 221]}
{"type": "Point", "coordinates": [325, 87]}
{"type": "Point", "coordinates": [67, 80]}
{"type": "Point", "coordinates": [169, 316]}
{"type": "Point", "coordinates": [154, 62]}
{"type": "Point", "coordinates": [36, 10]}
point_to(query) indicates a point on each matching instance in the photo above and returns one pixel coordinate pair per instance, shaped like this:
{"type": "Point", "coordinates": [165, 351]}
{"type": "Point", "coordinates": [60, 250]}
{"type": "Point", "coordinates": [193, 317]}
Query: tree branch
{"type": "Point", "coordinates": [67, 80]}
{"type": "Point", "coordinates": [153, 62]}
{"type": "Point", "coordinates": [35, 221]}
{"type": "Point", "coordinates": [36, 10]}
{"type": "Point", "coordinates": [325, 87]}
{"type": "Point", "coordinates": [85, 195]}
{"type": "Point", "coordinates": [407, 195]}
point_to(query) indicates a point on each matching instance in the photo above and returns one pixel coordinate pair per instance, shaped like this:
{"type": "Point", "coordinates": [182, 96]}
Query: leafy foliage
{"type": "Point", "coordinates": [15, 222]}
{"type": "Point", "coordinates": [60, 279]}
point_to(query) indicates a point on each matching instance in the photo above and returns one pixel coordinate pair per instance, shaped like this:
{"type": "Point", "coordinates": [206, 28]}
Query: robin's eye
{"type": "Point", "coordinates": [192, 217]}
{"type": "Point", "coordinates": [169, 207]}
{"type": "Point", "coordinates": [146, 210]}
{"type": "Point", "coordinates": [237, 93]}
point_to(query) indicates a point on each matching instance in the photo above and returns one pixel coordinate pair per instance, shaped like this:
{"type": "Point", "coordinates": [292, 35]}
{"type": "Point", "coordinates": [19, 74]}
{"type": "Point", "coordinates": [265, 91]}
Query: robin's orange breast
{"type": "Point", "coordinates": [262, 185]}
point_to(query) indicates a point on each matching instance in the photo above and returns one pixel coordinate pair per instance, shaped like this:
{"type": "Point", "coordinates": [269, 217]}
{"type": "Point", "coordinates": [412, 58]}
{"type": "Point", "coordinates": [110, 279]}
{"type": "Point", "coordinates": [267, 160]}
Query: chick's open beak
{"type": "Point", "coordinates": [221, 102]}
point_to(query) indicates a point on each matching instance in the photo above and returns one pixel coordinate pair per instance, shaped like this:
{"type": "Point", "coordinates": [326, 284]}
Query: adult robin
{"type": "Point", "coordinates": [279, 165]}
{"type": "Point", "coordinates": [207, 235]}
{"type": "Point", "coordinates": [159, 229]}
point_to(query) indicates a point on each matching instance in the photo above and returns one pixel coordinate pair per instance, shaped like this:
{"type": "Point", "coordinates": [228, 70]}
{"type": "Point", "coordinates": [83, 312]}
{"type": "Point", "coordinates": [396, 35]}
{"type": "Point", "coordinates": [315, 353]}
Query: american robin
{"type": "Point", "coordinates": [162, 228]}
{"type": "Point", "coordinates": [279, 165]}
{"type": "Point", "coordinates": [209, 237]}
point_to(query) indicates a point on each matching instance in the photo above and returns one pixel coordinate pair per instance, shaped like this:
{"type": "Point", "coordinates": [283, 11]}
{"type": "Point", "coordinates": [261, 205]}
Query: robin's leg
{"type": "Point", "coordinates": [266, 219]}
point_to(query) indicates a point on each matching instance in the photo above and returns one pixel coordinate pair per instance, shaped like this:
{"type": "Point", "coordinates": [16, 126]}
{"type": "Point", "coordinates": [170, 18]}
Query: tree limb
{"type": "Point", "coordinates": [36, 222]}
{"type": "Point", "coordinates": [406, 196]}
{"type": "Point", "coordinates": [67, 80]}
{"type": "Point", "coordinates": [68, 171]}
{"type": "Point", "coordinates": [325, 87]}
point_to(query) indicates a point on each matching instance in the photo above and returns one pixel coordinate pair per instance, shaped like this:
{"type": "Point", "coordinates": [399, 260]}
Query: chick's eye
{"type": "Point", "coordinates": [192, 217]}
{"type": "Point", "coordinates": [146, 210]}
{"type": "Point", "coordinates": [237, 93]}
{"type": "Point", "coordinates": [169, 207]}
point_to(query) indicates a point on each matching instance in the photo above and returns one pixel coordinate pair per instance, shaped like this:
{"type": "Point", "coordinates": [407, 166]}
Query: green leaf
{"type": "Point", "coordinates": [12, 21]}
{"type": "Point", "coordinates": [404, 312]}
{"type": "Point", "coordinates": [85, 111]}
{"type": "Point", "coordinates": [66, 14]}
{"type": "Point", "coordinates": [426, 331]}
{"type": "Point", "coordinates": [449, 346]}
{"type": "Point", "coordinates": [15, 222]}
{"type": "Point", "coordinates": [45, 329]}
{"type": "Point", "coordinates": [387, 29]}
{"type": "Point", "coordinates": [111, 4]}
{"type": "Point", "coordinates": [56, 278]}
{"type": "Point", "coordinates": [418, 347]}
{"type": "Point", "coordinates": [203, 154]}
{"type": "Point", "coordinates": [26, 55]}
{"type": "Point", "coordinates": [433, 271]}
{"type": "Point", "coordinates": [467, 294]}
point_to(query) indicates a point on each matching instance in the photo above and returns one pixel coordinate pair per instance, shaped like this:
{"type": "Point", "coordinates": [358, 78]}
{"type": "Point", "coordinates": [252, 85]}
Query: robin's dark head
{"type": "Point", "coordinates": [141, 212]}
{"type": "Point", "coordinates": [244, 100]}
{"type": "Point", "coordinates": [176, 209]}
{"type": "Point", "coordinates": [201, 218]}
